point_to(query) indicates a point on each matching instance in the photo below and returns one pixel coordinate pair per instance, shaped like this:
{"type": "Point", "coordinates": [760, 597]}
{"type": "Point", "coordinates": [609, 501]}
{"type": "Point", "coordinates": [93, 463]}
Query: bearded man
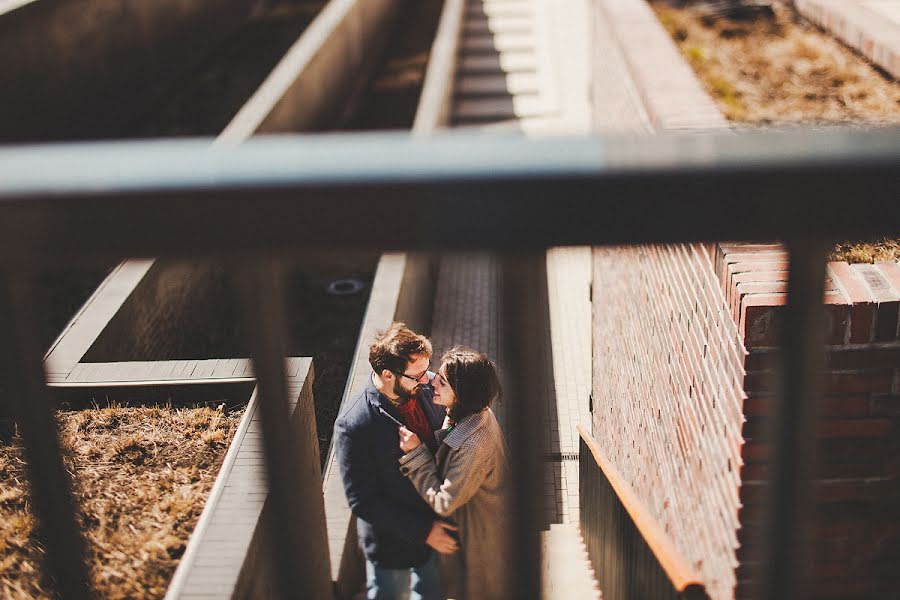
{"type": "Point", "coordinates": [398, 532]}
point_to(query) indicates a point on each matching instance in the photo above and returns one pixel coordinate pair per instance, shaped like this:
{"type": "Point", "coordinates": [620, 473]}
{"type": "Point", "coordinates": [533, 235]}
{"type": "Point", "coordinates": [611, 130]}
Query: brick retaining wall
{"type": "Point", "coordinates": [667, 396]}
{"type": "Point", "coordinates": [670, 409]}
{"type": "Point", "coordinates": [857, 547]}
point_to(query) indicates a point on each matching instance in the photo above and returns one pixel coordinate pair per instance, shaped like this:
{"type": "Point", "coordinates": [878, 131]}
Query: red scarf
{"type": "Point", "coordinates": [414, 418]}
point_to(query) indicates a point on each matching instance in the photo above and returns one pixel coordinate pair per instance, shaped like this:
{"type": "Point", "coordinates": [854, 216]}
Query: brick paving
{"type": "Point", "coordinates": [568, 282]}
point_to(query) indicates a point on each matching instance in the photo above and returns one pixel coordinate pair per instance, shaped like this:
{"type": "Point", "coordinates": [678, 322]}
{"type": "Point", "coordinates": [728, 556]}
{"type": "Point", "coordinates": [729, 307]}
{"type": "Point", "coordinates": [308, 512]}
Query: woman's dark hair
{"type": "Point", "coordinates": [473, 378]}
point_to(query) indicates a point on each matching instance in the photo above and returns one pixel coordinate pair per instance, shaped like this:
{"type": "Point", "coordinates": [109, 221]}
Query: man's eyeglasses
{"type": "Point", "coordinates": [416, 378]}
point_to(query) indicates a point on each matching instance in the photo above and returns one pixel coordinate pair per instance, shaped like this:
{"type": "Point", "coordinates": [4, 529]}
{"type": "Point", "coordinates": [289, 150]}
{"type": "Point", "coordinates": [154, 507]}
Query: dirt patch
{"type": "Point", "coordinates": [141, 476]}
{"type": "Point", "coordinates": [773, 67]}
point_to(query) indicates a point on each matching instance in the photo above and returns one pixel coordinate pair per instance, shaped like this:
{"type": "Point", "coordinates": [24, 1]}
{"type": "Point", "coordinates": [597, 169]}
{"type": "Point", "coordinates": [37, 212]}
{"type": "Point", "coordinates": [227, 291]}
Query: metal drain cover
{"type": "Point", "coordinates": [345, 287]}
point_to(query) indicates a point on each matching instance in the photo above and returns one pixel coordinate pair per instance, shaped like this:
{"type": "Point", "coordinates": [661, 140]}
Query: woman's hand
{"type": "Point", "coordinates": [409, 441]}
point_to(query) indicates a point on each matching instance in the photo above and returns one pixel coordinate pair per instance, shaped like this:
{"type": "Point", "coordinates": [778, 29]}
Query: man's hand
{"type": "Point", "coordinates": [440, 539]}
{"type": "Point", "coordinates": [409, 441]}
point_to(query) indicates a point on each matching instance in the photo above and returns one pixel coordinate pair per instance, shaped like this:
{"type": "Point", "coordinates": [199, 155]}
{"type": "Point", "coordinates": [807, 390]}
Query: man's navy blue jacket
{"type": "Point", "coordinates": [392, 519]}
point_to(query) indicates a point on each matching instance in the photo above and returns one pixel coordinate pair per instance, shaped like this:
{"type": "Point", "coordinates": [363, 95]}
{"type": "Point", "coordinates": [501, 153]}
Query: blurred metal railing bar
{"type": "Point", "coordinates": [33, 410]}
{"type": "Point", "coordinates": [790, 506]}
{"type": "Point", "coordinates": [293, 194]}
{"type": "Point", "coordinates": [295, 511]}
{"type": "Point", "coordinates": [523, 317]}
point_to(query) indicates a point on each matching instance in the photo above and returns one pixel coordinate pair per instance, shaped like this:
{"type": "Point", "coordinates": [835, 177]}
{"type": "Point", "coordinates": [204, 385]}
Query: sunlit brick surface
{"type": "Point", "coordinates": [668, 369]}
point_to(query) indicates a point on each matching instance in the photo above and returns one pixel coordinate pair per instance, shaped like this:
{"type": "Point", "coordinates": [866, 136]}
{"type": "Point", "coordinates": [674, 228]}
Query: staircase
{"type": "Point", "coordinates": [567, 572]}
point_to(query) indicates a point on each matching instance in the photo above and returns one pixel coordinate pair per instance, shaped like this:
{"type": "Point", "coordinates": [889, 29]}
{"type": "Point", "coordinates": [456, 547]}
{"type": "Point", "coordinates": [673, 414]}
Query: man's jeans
{"type": "Point", "coordinates": [417, 583]}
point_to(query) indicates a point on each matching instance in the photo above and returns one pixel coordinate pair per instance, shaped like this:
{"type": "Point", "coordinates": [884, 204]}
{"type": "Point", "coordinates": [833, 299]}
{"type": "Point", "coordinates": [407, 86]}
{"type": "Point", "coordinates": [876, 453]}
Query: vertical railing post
{"type": "Point", "coordinates": [32, 408]}
{"type": "Point", "coordinates": [296, 525]}
{"type": "Point", "coordinates": [524, 313]}
{"type": "Point", "coordinates": [790, 503]}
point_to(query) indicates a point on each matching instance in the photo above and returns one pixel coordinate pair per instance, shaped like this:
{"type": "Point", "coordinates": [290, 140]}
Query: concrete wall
{"type": "Point", "coordinates": [82, 68]}
{"type": "Point", "coordinates": [667, 396]}
{"type": "Point", "coordinates": [179, 310]}
{"type": "Point", "coordinates": [257, 578]}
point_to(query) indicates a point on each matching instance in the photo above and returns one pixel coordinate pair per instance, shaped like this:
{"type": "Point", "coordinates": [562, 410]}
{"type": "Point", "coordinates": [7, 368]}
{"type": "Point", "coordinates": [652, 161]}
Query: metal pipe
{"type": "Point", "coordinates": [32, 408]}
{"type": "Point", "coordinates": [295, 527]}
{"type": "Point", "coordinates": [525, 314]}
{"type": "Point", "coordinates": [290, 194]}
{"type": "Point", "coordinates": [790, 503]}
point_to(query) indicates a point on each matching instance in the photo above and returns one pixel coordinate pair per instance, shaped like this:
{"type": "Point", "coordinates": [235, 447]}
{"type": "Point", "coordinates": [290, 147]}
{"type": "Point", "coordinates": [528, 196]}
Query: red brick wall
{"type": "Point", "coordinates": [858, 488]}
{"type": "Point", "coordinates": [667, 390]}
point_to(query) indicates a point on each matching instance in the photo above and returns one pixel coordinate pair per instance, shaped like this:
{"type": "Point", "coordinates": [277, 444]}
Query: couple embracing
{"type": "Point", "coordinates": [424, 467]}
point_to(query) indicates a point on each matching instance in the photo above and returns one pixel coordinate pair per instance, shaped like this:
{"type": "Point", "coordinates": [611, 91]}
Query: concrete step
{"type": "Point", "coordinates": [502, 9]}
{"type": "Point", "coordinates": [501, 42]}
{"type": "Point", "coordinates": [498, 108]}
{"type": "Point", "coordinates": [510, 62]}
{"type": "Point", "coordinates": [479, 25]}
{"type": "Point", "coordinates": [566, 570]}
{"type": "Point", "coordinates": [495, 85]}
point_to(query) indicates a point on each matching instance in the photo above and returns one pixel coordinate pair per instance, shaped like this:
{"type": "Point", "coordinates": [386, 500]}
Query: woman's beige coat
{"type": "Point", "coordinates": [466, 482]}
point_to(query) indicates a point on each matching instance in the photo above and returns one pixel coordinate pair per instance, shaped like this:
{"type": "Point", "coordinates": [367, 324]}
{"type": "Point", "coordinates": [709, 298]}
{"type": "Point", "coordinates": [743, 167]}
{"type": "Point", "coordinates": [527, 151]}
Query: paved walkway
{"type": "Point", "coordinates": [535, 53]}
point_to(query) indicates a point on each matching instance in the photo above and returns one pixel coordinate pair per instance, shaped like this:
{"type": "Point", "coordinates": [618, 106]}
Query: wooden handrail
{"type": "Point", "coordinates": [684, 578]}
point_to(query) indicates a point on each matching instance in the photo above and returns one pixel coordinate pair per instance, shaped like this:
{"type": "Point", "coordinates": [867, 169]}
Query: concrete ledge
{"type": "Point", "coordinates": [861, 26]}
{"type": "Point", "coordinates": [670, 91]}
{"type": "Point", "coordinates": [89, 322]}
{"type": "Point", "coordinates": [329, 61]}
{"type": "Point", "coordinates": [226, 554]}
{"type": "Point", "coordinates": [436, 102]}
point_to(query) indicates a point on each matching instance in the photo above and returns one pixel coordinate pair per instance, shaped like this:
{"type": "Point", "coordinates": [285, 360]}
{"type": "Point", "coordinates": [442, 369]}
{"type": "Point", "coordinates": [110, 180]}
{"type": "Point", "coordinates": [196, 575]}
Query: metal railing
{"type": "Point", "coordinates": [272, 197]}
{"type": "Point", "coordinates": [630, 552]}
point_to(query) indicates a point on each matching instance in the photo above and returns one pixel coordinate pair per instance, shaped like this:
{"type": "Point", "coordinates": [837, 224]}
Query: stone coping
{"type": "Point", "coordinates": [872, 27]}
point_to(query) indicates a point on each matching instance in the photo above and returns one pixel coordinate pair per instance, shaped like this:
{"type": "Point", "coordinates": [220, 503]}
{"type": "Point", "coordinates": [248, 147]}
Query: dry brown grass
{"type": "Point", "coordinates": [141, 476]}
{"type": "Point", "coordinates": [780, 69]}
{"type": "Point", "coordinates": [867, 252]}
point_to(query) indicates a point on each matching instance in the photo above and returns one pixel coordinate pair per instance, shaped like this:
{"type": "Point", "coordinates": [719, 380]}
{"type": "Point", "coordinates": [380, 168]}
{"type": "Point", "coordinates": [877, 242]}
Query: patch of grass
{"type": "Point", "coordinates": [727, 95]}
{"type": "Point", "coordinates": [695, 55]}
{"type": "Point", "coordinates": [141, 476]}
{"type": "Point", "coordinates": [867, 252]}
{"type": "Point", "coordinates": [772, 67]}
